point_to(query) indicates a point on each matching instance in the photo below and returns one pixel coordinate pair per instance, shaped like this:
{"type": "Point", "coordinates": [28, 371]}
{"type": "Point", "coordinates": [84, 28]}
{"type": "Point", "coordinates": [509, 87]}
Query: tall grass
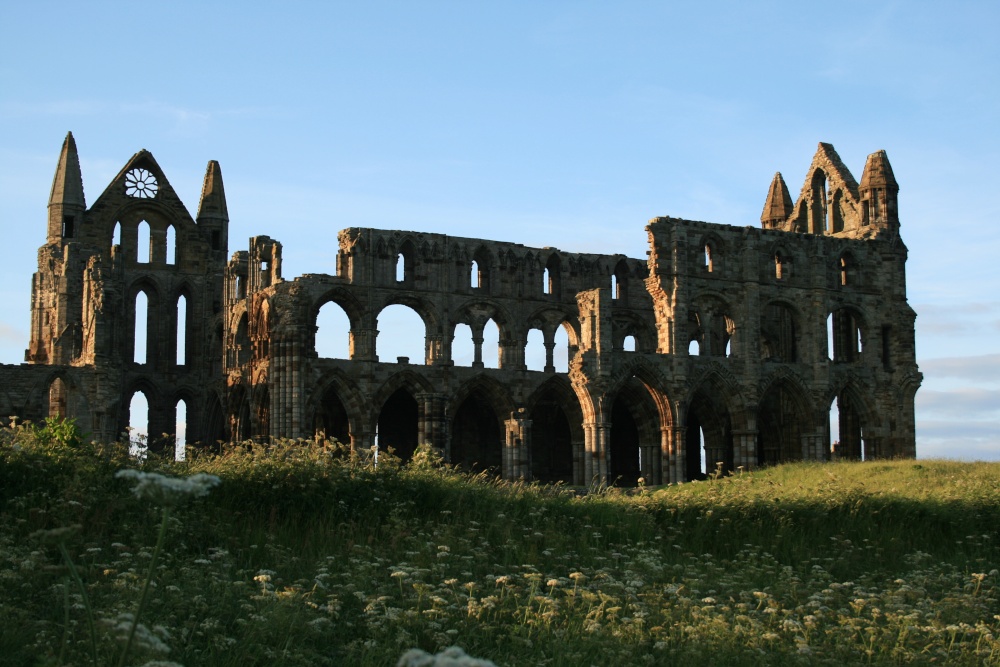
{"type": "Point", "coordinates": [305, 555]}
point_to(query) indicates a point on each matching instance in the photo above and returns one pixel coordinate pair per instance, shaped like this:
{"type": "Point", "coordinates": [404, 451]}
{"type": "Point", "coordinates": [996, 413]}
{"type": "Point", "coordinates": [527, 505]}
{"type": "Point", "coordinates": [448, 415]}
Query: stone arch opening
{"type": "Point", "coordinates": [398, 338]}
{"type": "Point", "coordinates": [783, 418]}
{"type": "Point", "coordinates": [480, 275]}
{"type": "Point", "coordinates": [137, 422]}
{"type": "Point", "coordinates": [779, 333]}
{"type": "Point", "coordinates": [847, 270]}
{"type": "Point", "coordinates": [845, 335]}
{"type": "Point", "coordinates": [635, 435]}
{"type": "Point", "coordinates": [534, 350]}
{"type": "Point", "coordinates": [818, 208]}
{"type": "Point", "coordinates": [405, 264]}
{"type": "Point", "coordinates": [143, 305]}
{"type": "Point", "coordinates": [330, 419]}
{"type": "Point", "coordinates": [477, 435]}
{"type": "Point", "coordinates": [556, 434]}
{"type": "Point", "coordinates": [708, 435]}
{"type": "Point", "coordinates": [243, 347]}
{"type": "Point", "coordinates": [58, 399]}
{"type": "Point", "coordinates": [171, 249]}
{"type": "Point", "coordinates": [180, 429]}
{"type": "Point", "coordinates": [396, 429]}
{"type": "Point", "coordinates": [619, 281]}
{"type": "Point", "coordinates": [551, 278]}
{"type": "Point", "coordinates": [144, 243]}
{"type": "Point", "coordinates": [181, 332]}
{"type": "Point", "coordinates": [848, 426]}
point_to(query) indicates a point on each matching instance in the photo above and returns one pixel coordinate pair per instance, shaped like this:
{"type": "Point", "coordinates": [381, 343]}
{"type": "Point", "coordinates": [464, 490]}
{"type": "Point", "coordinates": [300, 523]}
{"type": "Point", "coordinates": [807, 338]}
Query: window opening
{"type": "Point", "coordinates": [401, 334]}
{"type": "Point", "coordinates": [708, 257]}
{"type": "Point", "coordinates": [171, 245]}
{"type": "Point", "coordinates": [491, 345]}
{"type": "Point", "coordinates": [694, 349]}
{"type": "Point", "coordinates": [560, 352]}
{"type": "Point", "coordinates": [67, 227]}
{"type": "Point", "coordinates": [216, 240]}
{"type": "Point", "coordinates": [139, 327]}
{"type": "Point", "coordinates": [180, 430]}
{"type": "Point", "coordinates": [116, 235]}
{"type": "Point", "coordinates": [534, 351]}
{"type": "Point", "coordinates": [475, 280]}
{"type": "Point", "coordinates": [138, 425]}
{"type": "Point", "coordinates": [142, 250]}
{"type": "Point", "coordinates": [400, 267]}
{"type": "Point", "coordinates": [463, 350]}
{"type": "Point", "coordinates": [614, 286]}
{"type": "Point", "coordinates": [181, 330]}
{"type": "Point", "coordinates": [333, 332]}
{"type": "Point", "coordinates": [628, 344]}
{"type": "Point", "coordinates": [546, 282]}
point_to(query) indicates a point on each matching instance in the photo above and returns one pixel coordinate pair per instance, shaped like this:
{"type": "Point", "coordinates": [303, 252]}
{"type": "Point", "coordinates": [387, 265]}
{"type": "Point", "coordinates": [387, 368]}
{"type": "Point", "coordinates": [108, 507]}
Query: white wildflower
{"type": "Point", "coordinates": [450, 657]}
{"type": "Point", "coordinates": [164, 490]}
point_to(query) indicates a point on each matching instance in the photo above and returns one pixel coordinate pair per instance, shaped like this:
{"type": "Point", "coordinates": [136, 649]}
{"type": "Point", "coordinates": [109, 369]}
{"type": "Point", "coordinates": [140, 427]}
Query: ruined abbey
{"type": "Point", "coordinates": [727, 345]}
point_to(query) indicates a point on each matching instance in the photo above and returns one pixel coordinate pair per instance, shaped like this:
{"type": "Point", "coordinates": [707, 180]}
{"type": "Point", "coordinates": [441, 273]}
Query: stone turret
{"type": "Point", "coordinates": [66, 201]}
{"type": "Point", "coordinates": [879, 194]}
{"type": "Point", "coordinates": [778, 205]}
{"type": "Point", "coordinates": [213, 214]}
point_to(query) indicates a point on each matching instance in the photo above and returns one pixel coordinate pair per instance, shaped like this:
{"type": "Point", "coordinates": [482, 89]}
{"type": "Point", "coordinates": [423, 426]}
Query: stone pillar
{"type": "Point", "coordinates": [675, 463]}
{"type": "Point", "coordinates": [597, 436]}
{"type": "Point", "coordinates": [432, 426]}
{"type": "Point", "coordinates": [517, 448]}
{"type": "Point", "coordinates": [477, 343]}
{"type": "Point", "coordinates": [435, 353]}
{"type": "Point", "coordinates": [744, 450]}
{"type": "Point", "coordinates": [549, 339]}
{"type": "Point", "coordinates": [363, 344]}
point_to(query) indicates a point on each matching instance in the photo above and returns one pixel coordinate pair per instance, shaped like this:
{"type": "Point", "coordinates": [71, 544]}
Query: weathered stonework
{"type": "Point", "coordinates": [733, 331]}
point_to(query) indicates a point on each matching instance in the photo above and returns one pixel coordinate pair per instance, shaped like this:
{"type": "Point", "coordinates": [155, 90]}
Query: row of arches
{"type": "Point", "coordinates": [781, 262]}
{"type": "Point", "coordinates": [478, 342]}
{"type": "Point", "coordinates": [481, 266]}
{"type": "Point", "coordinates": [144, 243]}
{"type": "Point", "coordinates": [643, 437]}
{"type": "Point", "coordinates": [148, 317]}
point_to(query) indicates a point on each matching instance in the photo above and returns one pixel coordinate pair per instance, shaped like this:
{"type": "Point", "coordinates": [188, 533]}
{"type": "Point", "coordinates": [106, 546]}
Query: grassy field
{"type": "Point", "coordinates": [302, 556]}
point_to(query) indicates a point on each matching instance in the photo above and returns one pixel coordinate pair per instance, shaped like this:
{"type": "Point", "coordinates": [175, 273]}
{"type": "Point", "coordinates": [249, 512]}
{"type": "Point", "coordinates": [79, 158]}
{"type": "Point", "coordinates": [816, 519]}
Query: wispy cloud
{"type": "Point", "coordinates": [968, 403]}
{"type": "Point", "coordinates": [978, 368]}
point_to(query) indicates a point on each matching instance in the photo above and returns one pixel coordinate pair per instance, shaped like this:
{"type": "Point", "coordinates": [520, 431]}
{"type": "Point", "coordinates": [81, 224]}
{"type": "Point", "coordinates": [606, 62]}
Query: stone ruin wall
{"type": "Point", "coordinates": [740, 338]}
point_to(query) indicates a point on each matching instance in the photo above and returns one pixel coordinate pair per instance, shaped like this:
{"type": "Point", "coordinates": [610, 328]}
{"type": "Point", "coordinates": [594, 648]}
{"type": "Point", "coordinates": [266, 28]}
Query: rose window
{"type": "Point", "coordinates": [140, 183]}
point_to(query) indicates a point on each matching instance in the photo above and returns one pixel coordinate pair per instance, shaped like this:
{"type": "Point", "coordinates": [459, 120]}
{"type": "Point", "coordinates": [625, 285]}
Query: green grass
{"type": "Point", "coordinates": [305, 556]}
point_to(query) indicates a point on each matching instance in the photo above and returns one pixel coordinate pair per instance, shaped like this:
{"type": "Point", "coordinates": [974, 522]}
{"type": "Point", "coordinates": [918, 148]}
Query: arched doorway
{"type": "Point", "coordinates": [782, 420]}
{"type": "Point", "coordinates": [709, 436]}
{"type": "Point", "coordinates": [477, 437]}
{"type": "Point", "coordinates": [397, 424]}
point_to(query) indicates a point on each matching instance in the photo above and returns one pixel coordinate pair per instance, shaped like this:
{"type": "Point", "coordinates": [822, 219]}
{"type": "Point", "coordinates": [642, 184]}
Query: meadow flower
{"type": "Point", "coordinates": [168, 491]}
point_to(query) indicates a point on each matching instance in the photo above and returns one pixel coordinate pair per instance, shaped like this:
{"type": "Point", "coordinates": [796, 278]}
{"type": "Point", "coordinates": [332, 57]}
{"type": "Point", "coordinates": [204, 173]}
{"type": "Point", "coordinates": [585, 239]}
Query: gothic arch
{"type": "Point", "coordinates": [557, 437]}
{"type": "Point", "coordinates": [344, 421]}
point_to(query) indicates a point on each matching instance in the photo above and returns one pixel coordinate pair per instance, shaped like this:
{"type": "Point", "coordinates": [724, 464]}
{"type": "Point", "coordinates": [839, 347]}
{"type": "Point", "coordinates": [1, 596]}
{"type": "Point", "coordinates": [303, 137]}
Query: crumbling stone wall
{"type": "Point", "coordinates": [740, 340]}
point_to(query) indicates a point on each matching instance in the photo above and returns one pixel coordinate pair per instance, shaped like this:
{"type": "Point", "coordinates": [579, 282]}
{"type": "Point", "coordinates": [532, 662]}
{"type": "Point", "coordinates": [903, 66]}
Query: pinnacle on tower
{"type": "Point", "coordinates": [778, 205]}
{"type": "Point", "coordinates": [213, 215]}
{"type": "Point", "coordinates": [879, 192]}
{"type": "Point", "coordinates": [66, 200]}
{"type": "Point", "coordinates": [878, 172]}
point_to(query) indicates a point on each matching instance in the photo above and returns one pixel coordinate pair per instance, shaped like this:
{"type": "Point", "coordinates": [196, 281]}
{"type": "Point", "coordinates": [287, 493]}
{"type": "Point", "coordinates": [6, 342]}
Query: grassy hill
{"type": "Point", "coordinates": [303, 555]}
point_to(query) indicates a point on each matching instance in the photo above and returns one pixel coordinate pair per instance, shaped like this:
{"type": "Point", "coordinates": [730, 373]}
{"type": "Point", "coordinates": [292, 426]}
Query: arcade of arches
{"type": "Point", "coordinates": [728, 347]}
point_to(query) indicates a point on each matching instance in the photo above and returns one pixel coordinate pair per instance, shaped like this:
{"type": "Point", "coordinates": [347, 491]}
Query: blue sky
{"type": "Point", "coordinates": [565, 124]}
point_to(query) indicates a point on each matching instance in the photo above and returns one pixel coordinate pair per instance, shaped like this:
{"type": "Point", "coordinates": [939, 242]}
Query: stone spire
{"type": "Point", "coordinates": [878, 172]}
{"type": "Point", "coordinates": [879, 193]}
{"type": "Point", "coordinates": [66, 201]}
{"type": "Point", "coordinates": [778, 205]}
{"type": "Point", "coordinates": [213, 214]}
{"type": "Point", "coordinates": [213, 194]}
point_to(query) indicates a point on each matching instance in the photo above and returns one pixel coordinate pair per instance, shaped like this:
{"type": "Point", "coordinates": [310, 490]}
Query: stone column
{"type": "Point", "coordinates": [363, 344]}
{"type": "Point", "coordinates": [597, 436]}
{"type": "Point", "coordinates": [517, 448]}
{"type": "Point", "coordinates": [744, 450]}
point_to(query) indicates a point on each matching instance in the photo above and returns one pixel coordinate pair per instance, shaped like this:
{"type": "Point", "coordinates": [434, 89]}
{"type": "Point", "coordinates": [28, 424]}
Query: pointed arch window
{"type": "Point", "coordinates": [171, 245]}
{"type": "Point", "coordinates": [139, 328]}
{"type": "Point", "coordinates": [182, 318]}
{"type": "Point", "coordinates": [143, 243]}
